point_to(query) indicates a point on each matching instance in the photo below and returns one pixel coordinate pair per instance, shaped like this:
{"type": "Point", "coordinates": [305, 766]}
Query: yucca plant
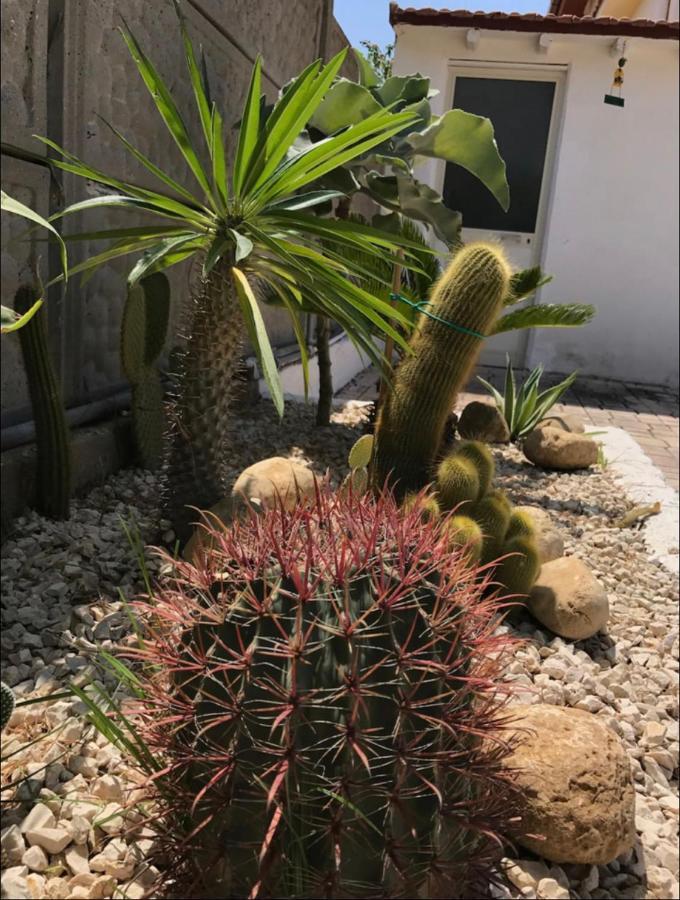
{"type": "Point", "coordinates": [252, 221]}
{"type": "Point", "coordinates": [523, 409]}
{"type": "Point", "coordinates": [321, 701]}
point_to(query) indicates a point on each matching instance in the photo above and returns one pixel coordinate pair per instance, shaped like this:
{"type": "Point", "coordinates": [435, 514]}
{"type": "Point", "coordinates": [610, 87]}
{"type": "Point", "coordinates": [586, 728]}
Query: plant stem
{"type": "Point", "coordinates": [389, 342]}
{"type": "Point", "coordinates": [325, 404]}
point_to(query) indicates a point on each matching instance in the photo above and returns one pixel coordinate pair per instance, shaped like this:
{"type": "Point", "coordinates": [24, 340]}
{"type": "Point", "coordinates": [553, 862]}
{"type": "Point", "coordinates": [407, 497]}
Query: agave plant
{"type": "Point", "coordinates": [523, 409]}
{"type": "Point", "coordinates": [250, 223]}
{"type": "Point", "coordinates": [10, 320]}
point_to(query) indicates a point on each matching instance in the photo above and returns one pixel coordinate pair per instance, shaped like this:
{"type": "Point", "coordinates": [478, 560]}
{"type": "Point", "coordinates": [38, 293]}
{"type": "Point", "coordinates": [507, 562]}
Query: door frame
{"type": "Point", "coordinates": [520, 71]}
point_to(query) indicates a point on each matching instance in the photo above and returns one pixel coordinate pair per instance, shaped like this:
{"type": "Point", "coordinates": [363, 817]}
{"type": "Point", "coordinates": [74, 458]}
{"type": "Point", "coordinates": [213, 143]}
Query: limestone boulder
{"type": "Point", "coordinates": [568, 599]}
{"type": "Point", "coordinates": [548, 539]}
{"type": "Point", "coordinates": [554, 448]}
{"type": "Point", "coordinates": [483, 422]}
{"type": "Point", "coordinates": [576, 793]}
{"type": "Point", "coordinates": [565, 421]}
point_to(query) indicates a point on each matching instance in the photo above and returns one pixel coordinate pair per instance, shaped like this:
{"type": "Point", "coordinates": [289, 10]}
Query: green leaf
{"type": "Point", "coordinates": [468, 141]}
{"type": "Point", "coordinates": [244, 245]}
{"type": "Point", "coordinates": [219, 160]}
{"type": "Point", "coordinates": [567, 315]}
{"type": "Point", "coordinates": [346, 103]}
{"type": "Point", "coordinates": [152, 257]}
{"type": "Point", "coordinates": [368, 77]}
{"type": "Point", "coordinates": [13, 322]}
{"type": "Point", "coordinates": [304, 201]}
{"type": "Point", "coordinates": [250, 127]}
{"type": "Point", "coordinates": [9, 204]}
{"type": "Point", "coordinates": [415, 200]}
{"type": "Point", "coordinates": [259, 338]}
{"type": "Point", "coordinates": [197, 83]}
{"type": "Point", "coordinates": [361, 452]}
{"type": "Point", "coordinates": [403, 89]}
{"type": "Point", "coordinates": [167, 109]}
{"type": "Point", "coordinates": [524, 283]}
{"type": "Point", "coordinates": [509, 405]}
{"type": "Point", "coordinates": [498, 398]}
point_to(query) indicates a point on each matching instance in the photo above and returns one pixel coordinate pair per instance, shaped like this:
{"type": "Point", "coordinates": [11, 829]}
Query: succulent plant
{"type": "Point", "coordinates": [6, 704]}
{"type": "Point", "coordinates": [321, 694]}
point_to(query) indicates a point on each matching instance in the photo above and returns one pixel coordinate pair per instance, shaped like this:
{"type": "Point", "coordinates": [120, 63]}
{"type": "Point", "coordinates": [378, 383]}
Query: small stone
{"type": "Point", "coordinates": [57, 889]}
{"type": "Point", "coordinates": [13, 846]}
{"type": "Point", "coordinates": [51, 839]}
{"type": "Point", "coordinates": [76, 857]}
{"type": "Point", "coordinates": [110, 819]}
{"type": "Point", "coordinates": [660, 881]}
{"type": "Point", "coordinates": [653, 734]}
{"type": "Point", "coordinates": [14, 883]}
{"type": "Point", "coordinates": [39, 817]}
{"type": "Point", "coordinates": [36, 885]}
{"type": "Point", "coordinates": [102, 887]}
{"type": "Point", "coordinates": [36, 859]}
{"type": "Point", "coordinates": [549, 889]}
{"type": "Point", "coordinates": [108, 787]}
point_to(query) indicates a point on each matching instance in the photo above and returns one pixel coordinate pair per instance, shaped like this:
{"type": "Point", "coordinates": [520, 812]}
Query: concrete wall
{"type": "Point", "coordinates": [611, 232]}
{"type": "Point", "coordinates": [64, 62]}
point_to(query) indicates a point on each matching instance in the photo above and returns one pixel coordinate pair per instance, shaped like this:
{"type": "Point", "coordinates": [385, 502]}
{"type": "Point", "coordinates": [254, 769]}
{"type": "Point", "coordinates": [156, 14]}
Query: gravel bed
{"type": "Point", "coordinates": [65, 831]}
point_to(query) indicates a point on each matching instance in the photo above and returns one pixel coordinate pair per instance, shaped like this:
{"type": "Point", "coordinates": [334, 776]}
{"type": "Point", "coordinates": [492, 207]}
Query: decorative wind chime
{"type": "Point", "coordinates": [615, 96]}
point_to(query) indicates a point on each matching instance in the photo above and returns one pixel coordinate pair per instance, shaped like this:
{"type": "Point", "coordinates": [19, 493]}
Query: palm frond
{"type": "Point", "coordinates": [549, 315]}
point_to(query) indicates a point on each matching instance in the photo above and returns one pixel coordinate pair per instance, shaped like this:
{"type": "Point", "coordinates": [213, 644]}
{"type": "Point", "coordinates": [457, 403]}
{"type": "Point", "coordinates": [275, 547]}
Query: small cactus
{"type": "Point", "coordinates": [428, 506]}
{"type": "Point", "coordinates": [480, 456]}
{"type": "Point", "coordinates": [6, 705]}
{"type": "Point", "coordinates": [358, 461]}
{"type": "Point", "coordinates": [465, 532]}
{"type": "Point", "coordinates": [517, 573]}
{"type": "Point", "coordinates": [520, 525]}
{"type": "Point", "coordinates": [457, 482]}
{"type": "Point", "coordinates": [143, 332]}
{"type": "Point", "coordinates": [492, 514]}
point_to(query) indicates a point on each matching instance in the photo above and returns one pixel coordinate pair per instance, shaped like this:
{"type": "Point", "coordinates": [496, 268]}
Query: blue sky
{"type": "Point", "coordinates": [367, 20]}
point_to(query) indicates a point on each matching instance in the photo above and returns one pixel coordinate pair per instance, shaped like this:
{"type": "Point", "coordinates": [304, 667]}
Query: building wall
{"type": "Point", "coordinates": [64, 62]}
{"type": "Point", "coordinates": [611, 236]}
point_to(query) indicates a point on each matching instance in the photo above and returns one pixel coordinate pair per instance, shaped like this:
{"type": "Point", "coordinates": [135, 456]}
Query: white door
{"type": "Point", "coordinates": [523, 105]}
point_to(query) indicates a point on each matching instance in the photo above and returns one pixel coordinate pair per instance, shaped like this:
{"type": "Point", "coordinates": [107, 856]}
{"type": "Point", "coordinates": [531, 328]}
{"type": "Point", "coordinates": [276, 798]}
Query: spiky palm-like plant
{"type": "Point", "coordinates": [251, 222]}
{"type": "Point", "coordinates": [322, 702]}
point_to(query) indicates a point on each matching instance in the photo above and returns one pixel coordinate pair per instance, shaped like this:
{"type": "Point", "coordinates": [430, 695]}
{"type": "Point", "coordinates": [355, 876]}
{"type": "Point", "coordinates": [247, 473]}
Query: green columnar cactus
{"type": "Point", "coordinates": [469, 295]}
{"type": "Point", "coordinates": [53, 470]}
{"type": "Point", "coordinates": [143, 332]}
{"type": "Point", "coordinates": [517, 572]}
{"type": "Point", "coordinates": [480, 456]}
{"type": "Point", "coordinates": [457, 482]}
{"type": "Point", "coordinates": [6, 704]}
{"type": "Point", "coordinates": [492, 514]}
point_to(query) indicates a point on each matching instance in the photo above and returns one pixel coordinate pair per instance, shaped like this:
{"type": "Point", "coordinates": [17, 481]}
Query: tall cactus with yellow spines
{"type": "Point", "coordinates": [143, 332]}
{"type": "Point", "coordinates": [465, 303]}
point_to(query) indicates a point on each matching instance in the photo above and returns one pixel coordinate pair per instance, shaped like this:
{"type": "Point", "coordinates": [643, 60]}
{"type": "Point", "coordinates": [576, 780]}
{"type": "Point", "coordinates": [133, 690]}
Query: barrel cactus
{"type": "Point", "coordinates": [6, 704]}
{"type": "Point", "coordinates": [464, 305]}
{"type": "Point", "coordinates": [321, 694]}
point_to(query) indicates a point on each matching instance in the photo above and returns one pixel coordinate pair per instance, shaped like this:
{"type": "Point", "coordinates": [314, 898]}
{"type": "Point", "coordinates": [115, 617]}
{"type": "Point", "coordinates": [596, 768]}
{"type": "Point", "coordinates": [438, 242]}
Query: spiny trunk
{"type": "Point", "coordinates": [323, 352]}
{"type": "Point", "coordinates": [200, 412]}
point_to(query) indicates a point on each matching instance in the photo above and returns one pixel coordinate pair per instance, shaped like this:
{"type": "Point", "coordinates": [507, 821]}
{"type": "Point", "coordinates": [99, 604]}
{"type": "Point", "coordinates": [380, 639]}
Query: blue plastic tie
{"type": "Point", "coordinates": [420, 307]}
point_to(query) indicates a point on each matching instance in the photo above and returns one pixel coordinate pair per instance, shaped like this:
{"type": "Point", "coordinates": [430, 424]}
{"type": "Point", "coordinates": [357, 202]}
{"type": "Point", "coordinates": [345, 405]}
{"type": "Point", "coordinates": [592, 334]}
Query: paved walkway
{"type": "Point", "coordinates": [649, 414]}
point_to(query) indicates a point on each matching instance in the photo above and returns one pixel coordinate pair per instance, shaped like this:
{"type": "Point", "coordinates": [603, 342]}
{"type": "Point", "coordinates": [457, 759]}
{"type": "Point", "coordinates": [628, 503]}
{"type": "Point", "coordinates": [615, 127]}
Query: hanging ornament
{"type": "Point", "coordinates": [615, 98]}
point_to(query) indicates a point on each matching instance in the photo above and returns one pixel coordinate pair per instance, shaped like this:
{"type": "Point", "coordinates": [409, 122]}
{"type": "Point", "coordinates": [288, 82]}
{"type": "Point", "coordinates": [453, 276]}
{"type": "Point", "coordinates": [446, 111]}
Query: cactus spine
{"type": "Point", "coordinates": [412, 421]}
{"type": "Point", "coordinates": [6, 702]}
{"type": "Point", "coordinates": [143, 332]}
{"type": "Point", "coordinates": [53, 470]}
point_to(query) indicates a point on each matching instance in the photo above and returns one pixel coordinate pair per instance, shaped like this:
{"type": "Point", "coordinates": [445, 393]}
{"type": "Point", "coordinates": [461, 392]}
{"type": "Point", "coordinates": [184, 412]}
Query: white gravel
{"type": "Point", "coordinates": [65, 831]}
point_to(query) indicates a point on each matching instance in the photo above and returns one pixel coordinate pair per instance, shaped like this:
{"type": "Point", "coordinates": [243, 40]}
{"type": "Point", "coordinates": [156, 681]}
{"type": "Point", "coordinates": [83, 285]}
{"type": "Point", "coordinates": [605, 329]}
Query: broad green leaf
{"type": "Point", "coordinates": [13, 322]}
{"type": "Point", "coordinates": [9, 204]}
{"type": "Point", "coordinates": [250, 127]}
{"type": "Point", "coordinates": [468, 141]}
{"type": "Point", "coordinates": [403, 89]}
{"type": "Point", "coordinates": [124, 200]}
{"type": "Point", "coordinates": [361, 452]}
{"type": "Point", "coordinates": [244, 245]}
{"type": "Point", "coordinates": [167, 109]}
{"type": "Point", "coordinates": [368, 77]}
{"type": "Point", "coordinates": [346, 103]}
{"type": "Point", "coordinates": [259, 338]}
{"type": "Point", "coordinates": [567, 315]}
{"type": "Point", "coordinates": [415, 200]}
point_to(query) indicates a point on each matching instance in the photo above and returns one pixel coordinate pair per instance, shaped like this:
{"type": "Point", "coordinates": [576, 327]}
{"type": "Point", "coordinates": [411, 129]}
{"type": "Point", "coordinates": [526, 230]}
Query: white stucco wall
{"type": "Point", "coordinates": [611, 228]}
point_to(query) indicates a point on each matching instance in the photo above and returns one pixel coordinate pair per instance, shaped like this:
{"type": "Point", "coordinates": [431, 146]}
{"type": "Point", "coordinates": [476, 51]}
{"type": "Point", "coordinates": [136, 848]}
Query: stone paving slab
{"type": "Point", "coordinates": [648, 413]}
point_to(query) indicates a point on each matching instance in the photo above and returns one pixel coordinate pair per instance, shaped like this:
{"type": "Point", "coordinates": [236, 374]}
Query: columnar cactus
{"type": "Point", "coordinates": [465, 303]}
{"type": "Point", "coordinates": [143, 332]}
{"type": "Point", "coordinates": [322, 692]}
{"type": "Point", "coordinates": [6, 704]}
{"type": "Point", "coordinates": [53, 469]}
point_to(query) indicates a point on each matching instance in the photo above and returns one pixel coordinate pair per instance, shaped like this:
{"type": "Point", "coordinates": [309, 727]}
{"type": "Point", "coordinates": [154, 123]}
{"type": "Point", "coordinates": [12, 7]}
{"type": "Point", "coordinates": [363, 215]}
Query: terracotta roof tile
{"type": "Point", "coordinates": [533, 22]}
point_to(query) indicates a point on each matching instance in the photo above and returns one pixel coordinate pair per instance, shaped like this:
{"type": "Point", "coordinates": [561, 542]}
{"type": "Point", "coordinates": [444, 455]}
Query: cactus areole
{"type": "Point", "coordinates": [323, 694]}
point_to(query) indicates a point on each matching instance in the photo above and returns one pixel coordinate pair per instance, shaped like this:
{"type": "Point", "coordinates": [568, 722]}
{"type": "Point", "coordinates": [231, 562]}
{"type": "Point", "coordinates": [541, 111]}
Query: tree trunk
{"type": "Point", "coordinates": [200, 412]}
{"type": "Point", "coordinates": [325, 404]}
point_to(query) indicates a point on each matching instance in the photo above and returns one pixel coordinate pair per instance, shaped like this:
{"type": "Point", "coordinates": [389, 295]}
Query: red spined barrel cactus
{"type": "Point", "coordinates": [323, 693]}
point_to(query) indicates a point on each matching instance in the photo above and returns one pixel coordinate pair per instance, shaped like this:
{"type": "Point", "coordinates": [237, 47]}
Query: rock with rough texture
{"type": "Point", "coordinates": [14, 884]}
{"type": "Point", "coordinates": [555, 448]}
{"type": "Point", "coordinates": [548, 539]}
{"type": "Point", "coordinates": [568, 599]}
{"type": "Point", "coordinates": [265, 483]}
{"type": "Point", "coordinates": [576, 793]}
{"type": "Point", "coordinates": [483, 422]}
{"type": "Point", "coordinates": [565, 421]}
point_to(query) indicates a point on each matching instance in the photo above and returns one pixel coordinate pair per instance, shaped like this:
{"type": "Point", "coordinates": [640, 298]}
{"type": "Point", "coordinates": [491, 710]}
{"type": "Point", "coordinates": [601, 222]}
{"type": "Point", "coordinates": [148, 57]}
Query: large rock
{"type": "Point", "coordinates": [262, 484]}
{"type": "Point", "coordinates": [555, 448]}
{"type": "Point", "coordinates": [483, 422]}
{"type": "Point", "coordinates": [565, 421]}
{"type": "Point", "coordinates": [568, 599]}
{"type": "Point", "coordinates": [576, 794]}
{"type": "Point", "coordinates": [548, 539]}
